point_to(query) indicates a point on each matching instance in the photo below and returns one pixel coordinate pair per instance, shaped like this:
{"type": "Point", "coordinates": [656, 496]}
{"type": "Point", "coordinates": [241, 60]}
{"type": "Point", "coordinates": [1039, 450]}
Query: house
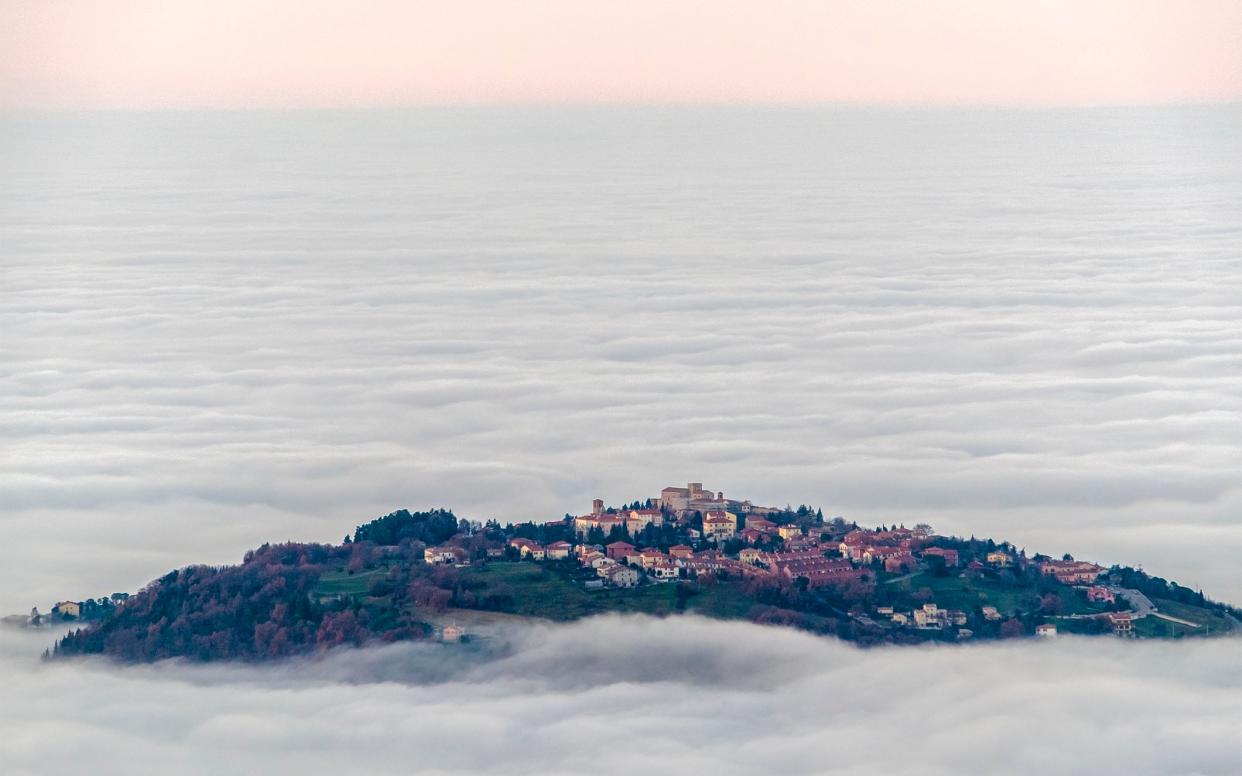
{"type": "Point", "coordinates": [650, 556]}
{"type": "Point", "coordinates": [949, 556]}
{"type": "Point", "coordinates": [664, 570]}
{"type": "Point", "coordinates": [680, 551]}
{"type": "Point", "coordinates": [1072, 572]}
{"type": "Point", "coordinates": [604, 567]}
{"type": "Point", "coordinates": [930, 617]}
{"type": "Point", "coordinates": [998, 558]}
{"type": "Point", "coordinates": [902, 563]}
{"type": "Point", "coordinates": [534, 552]}
{"type": "Point", "coordinates": [719, 525]}
{"type": "Point", "coordinates": [762, 525]}
{"type": "Point", "coordinates": [558, 550]}
{"type": "Point", "coordinates": [1046, 631]}
{"type": "Point", "coordinates": [751, 556]}
{"type": "Point", "coordinates": [1100, 594]}
{"type": "Point", "coordinates": [584, 523]}
{"type": "Point", "coordinates": [495, 552]}
{"type": "Point", "coordinates": [594, 559]}
{"type": "Point", "coordinates": [750, 536]}
{"type": "Point", "coordinates": [886, 611]}
{"type": "Point", "coordinates": [991, 613]}
{"type": "Point", "coordinates": [1123, 624]}
{"type": "Point", "coordinates": [621, 576]}
{"type": "Point", "coordinates": [451, 634]}
{"type": "Point", "coordinates": [645, 517]}
{"type": "Point", "coordinates": [598, 518]}
{"type": "Point", "coordinates": [873, 554]}
{"type": "Point", "coordinates": [900, 618]}
{"type": "Point", "coordinates": [619, 550]}
{"type": "Point", "coordinates": [443, 555]}
{"type": "Point", "coordinates": [68, 609]}
{"type": "Point", "coordinates": [816, 569]}
{"type": "Point", "coordinates": [789, 531]}
{"type": "Point", "coordinates": [801, 543]}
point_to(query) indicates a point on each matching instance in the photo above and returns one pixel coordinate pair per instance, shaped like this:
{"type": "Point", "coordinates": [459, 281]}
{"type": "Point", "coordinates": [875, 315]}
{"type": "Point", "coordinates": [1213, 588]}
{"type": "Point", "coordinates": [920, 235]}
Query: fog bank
{"type": "Point", "coordinates": [224, 329]}
{"type": "Point", "coordinates": [623, 695]}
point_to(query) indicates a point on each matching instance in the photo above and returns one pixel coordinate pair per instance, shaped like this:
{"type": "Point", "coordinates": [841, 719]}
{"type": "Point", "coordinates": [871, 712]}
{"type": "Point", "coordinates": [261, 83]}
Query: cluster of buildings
{"type": "Point", "coordinates": [633, 520]}
{"type": "Point", "coordinates": [722, 518]}
{"type": "Point", "coordinates": [781, 551]}
{"type": "Point", "coordinates": [1072, 572]}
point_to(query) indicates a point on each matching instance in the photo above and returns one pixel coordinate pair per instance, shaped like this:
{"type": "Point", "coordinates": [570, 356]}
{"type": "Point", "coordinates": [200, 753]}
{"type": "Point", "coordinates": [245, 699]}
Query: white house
{"type": "Point", "coordinates": [621, 576]}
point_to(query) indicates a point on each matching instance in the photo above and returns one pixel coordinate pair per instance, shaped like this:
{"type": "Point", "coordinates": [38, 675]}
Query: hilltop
{"type": "Point", "coordinates": [689, 550]}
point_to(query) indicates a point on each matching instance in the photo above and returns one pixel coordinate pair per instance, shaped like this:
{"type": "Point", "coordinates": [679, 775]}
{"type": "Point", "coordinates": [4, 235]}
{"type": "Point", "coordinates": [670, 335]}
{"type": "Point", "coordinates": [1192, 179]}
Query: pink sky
{"type": "Point", "coordinates": [270, 53]}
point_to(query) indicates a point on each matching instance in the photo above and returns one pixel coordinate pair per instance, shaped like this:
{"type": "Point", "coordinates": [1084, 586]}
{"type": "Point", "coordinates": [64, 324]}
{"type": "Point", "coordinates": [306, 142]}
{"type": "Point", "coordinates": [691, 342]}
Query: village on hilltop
{"type": "Point", "coordinates": [687, 550]}
{"type": "Point", "coordinates": [691, 533]}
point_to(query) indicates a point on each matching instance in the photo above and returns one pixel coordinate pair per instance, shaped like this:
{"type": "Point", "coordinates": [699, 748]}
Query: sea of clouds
{"type": "Point", "coordinates": [617, 695]}
{"type": "Point", "coordinates": [220, 329]}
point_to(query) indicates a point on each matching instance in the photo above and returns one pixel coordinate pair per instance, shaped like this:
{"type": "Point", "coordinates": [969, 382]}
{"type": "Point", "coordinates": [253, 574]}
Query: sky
{"type": "Point", "coordinates": [81, 54]}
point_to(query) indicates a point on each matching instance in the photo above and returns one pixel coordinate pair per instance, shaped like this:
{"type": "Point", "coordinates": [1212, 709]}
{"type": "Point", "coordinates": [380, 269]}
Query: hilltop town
{"type": "Point", "coordinates": [687, 550]}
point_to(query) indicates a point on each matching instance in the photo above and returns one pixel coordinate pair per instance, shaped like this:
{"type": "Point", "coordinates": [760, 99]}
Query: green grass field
{"type": "Point", "coordinates": [545, 592]}
{"type": "Point", "coordinates": [953, 592]}
{"type": "Point", "coordinates": [1208, 620]}
{"type": "Point", "coordinates": [723, 600]}
{"type": "Point", "coordinates": [343, 583]}
{"type": "Point", "coordinates": [1156, 628]}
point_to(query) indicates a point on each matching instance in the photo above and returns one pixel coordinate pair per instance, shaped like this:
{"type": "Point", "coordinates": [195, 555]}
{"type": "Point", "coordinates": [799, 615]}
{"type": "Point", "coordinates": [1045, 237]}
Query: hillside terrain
{"type": "Point", "coordinates": [414, 575]}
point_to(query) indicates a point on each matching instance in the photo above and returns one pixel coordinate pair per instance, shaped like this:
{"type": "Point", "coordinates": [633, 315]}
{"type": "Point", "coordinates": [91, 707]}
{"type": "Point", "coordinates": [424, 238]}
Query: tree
{"type": "Point", "coordinates": [1011, 629]}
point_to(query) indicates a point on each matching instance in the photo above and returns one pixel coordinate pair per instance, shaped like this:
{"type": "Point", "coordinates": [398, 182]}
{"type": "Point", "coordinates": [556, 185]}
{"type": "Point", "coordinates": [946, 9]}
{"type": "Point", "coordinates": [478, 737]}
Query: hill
{"type": "Point", "coordinates": [395, 577]}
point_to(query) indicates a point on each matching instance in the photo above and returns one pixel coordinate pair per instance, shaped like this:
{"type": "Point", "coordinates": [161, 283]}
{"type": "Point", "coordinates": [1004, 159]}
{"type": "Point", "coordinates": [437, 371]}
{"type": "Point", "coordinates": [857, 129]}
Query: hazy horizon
{"type": "Point", "coordinates": [229, 53]}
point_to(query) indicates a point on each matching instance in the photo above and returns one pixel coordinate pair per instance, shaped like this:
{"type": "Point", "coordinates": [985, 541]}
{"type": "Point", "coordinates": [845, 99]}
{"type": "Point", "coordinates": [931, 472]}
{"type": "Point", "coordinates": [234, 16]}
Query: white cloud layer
{"type": "Point", "coordinates": [619, 696]}
{"type": "Point", "coordinates": [222, 329]}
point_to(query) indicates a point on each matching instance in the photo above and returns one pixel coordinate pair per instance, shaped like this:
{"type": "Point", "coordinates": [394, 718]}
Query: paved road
{"type": "Point", "coordinates": [901, 579]}
{"type": "Point", "coordinates": [1178, 620]}
{"type": "Point", "coordinates": [1140, 606]}
{"type": "Point", "coordinates": [1139, 603]}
